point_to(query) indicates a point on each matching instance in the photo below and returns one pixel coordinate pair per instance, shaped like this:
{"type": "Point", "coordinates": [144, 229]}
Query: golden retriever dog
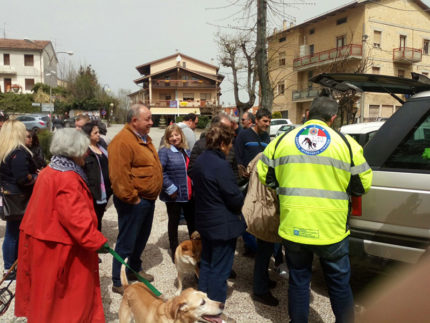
{"type": "Point", "coordinates": [140, 305]}
{"type": "Point", "coordinates": [187, 256]}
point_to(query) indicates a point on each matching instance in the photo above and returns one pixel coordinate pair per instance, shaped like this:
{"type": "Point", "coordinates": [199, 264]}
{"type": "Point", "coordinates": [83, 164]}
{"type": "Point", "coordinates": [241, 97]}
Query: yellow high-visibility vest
{"type": "Point", "coordinates": [313, 168]}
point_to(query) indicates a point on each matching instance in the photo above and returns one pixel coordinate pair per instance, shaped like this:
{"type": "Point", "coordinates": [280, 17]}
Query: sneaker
{"type": "Point", "coordinates": [10, 276]}
{"type": "Point", "coordinates": [282, 271]}
{"type": "Point", "coordinates": [266, 299]}
{"type": "Point", "coordinates": [118, 289]}
{"type": "Point", "coordinates": [132, 277]}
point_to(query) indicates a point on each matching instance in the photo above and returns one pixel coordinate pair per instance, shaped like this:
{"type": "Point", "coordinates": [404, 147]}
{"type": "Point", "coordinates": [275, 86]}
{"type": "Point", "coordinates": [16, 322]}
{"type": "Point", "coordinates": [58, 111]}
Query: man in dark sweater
{"type": "Point", "coordinates": [252, 141]}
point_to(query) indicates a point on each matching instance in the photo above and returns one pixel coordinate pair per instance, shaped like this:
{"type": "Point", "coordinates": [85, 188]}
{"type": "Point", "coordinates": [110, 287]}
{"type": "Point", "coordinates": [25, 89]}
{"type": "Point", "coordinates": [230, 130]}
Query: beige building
{"type": "Point", "coordinates": [178, 84]}
{"type": "Point", "coordinates": [390, 37]}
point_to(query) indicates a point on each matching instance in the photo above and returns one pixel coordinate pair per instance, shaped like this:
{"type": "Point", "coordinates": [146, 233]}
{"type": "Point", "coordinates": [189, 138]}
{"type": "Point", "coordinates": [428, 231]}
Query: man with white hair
{"type": "Point", "coordinates": [136, 176]}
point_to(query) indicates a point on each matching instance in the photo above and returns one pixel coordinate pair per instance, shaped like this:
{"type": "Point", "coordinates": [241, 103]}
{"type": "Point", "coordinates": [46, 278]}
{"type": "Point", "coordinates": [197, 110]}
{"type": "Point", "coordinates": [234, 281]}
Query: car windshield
{"type": "Point", "coordinates": [278, 122]}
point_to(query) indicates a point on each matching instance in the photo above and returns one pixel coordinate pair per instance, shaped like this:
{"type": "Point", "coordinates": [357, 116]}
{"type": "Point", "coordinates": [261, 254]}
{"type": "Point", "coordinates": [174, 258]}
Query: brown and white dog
{"type": "Point", "coordinates": [187, 256]}
{"type": "Point", "coordinates": [140, 305]}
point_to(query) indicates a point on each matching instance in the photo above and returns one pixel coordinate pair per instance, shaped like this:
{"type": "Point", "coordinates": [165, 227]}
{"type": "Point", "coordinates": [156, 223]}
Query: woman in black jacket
{"type": "Point", "coordinates": [218, 216]}
{"type": "Point", "coordinates": [32, 143]}
{"type": "Point", "coordinates": [97, 170]}
{"type": "Point", "coordinates": [17, 176]}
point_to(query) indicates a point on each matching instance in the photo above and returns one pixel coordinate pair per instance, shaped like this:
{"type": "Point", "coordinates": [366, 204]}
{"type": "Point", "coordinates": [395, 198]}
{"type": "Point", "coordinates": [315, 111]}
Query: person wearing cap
{"type": "Point", "coordinates": [312, 171]}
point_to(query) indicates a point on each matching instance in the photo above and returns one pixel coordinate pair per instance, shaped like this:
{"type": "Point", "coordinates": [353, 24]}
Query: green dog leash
{"type": "Point", "coordinates": [140, 278]}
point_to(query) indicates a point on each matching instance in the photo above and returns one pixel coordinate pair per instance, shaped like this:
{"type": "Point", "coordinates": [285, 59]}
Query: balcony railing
{"type": "Point", "coordinates": [182, 103]}
{"type": "Point", "coordinates": [182, 84]}
{"type": "Point", "coordinates": [327, 55]}
{"type": "Point", "coordinates": [305, 94]}
{"type": "Point", "coordinates": [7, 69]}
{"type": "Point", "coordinates": [407, 55]}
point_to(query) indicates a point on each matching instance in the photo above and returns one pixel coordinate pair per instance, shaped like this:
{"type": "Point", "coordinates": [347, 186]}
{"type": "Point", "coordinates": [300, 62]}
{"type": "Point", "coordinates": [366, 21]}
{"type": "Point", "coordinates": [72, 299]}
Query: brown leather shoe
{"type": "Point", "coordinates": [132, 277]}
{"type": "Point", "coordinates": [118, 289]}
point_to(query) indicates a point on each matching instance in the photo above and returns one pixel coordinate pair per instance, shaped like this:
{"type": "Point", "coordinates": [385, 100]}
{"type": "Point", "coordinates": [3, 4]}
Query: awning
{"type": "Point", "coordinates": [174, 111]}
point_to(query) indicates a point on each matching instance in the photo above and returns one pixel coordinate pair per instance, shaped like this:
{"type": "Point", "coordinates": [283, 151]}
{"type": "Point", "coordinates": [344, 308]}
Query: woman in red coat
{"type": "Point", "coordinates": [58, 277]}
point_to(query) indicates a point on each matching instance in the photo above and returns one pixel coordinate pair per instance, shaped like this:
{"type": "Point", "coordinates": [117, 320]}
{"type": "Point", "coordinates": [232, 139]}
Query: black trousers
{"type": "Point", "coordinates": [100, 211]}
{"type": "Point", "coordinates": [174, 213]}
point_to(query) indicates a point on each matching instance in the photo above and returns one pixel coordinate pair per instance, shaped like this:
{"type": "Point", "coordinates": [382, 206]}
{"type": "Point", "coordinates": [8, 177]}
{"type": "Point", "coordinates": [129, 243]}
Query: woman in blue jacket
{"type": "Point", "coordinates": [218, 203]}
{"type": "Point", "coordinates": [177, 188]}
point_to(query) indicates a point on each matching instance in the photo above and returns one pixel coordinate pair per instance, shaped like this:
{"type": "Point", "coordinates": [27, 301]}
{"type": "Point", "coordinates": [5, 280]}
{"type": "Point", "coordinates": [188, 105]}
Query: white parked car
{"type": "Point", "coordinates": [362, 132]}
{"type": "Point", "coordinates": [275, 124]}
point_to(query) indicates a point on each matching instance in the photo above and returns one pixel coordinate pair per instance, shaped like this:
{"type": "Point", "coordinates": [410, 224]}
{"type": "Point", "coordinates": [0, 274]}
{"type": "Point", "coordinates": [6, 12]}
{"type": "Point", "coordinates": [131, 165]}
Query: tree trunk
{"type": "Point", "coordinates": [261, 56]}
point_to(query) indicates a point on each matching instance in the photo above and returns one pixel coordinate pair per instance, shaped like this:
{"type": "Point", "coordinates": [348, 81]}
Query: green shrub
{"type": "Point", "coordinates": [45, 137]}
{"type": "Point", "coordinates": [203, 121]}
{"type": "Point", "coordinates": [276, 115]}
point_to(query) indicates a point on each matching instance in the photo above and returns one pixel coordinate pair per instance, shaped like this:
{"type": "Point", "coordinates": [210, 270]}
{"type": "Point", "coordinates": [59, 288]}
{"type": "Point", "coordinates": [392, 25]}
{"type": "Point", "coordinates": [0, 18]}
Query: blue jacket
{"type": "Point", "coordinates": [174, 174]}
{"type": "Point", "coordinates": [217, 196]}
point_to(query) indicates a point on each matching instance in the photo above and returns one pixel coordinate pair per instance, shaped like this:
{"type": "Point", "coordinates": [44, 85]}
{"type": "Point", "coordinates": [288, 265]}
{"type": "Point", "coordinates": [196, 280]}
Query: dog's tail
{"type": "Point", "coordinates": [124, 280]}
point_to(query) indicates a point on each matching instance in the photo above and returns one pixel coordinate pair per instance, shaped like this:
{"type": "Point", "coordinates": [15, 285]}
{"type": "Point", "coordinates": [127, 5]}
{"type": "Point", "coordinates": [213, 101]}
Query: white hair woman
{"type": "Point", "coordinates": [59, 239]}
{"type": "Point", "coordinates": [17, 177]}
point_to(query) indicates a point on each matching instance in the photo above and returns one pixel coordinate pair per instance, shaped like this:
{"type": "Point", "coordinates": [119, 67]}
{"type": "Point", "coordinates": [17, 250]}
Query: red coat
{"type": "Point", "coordinates": [58, 276]}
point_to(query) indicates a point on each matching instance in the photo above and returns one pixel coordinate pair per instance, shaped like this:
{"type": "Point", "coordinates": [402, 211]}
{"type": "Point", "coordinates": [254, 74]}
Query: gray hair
{"type": "Point", "coordinates": [69, 142]}
{"type": "Point", "coordinates": [134, 111]}
{"type": "Point", "coordinates": [323, 108]}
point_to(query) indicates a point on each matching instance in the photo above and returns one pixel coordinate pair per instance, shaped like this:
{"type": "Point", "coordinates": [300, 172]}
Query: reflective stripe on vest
{"type": "Point", "coordinates": [312, 192]}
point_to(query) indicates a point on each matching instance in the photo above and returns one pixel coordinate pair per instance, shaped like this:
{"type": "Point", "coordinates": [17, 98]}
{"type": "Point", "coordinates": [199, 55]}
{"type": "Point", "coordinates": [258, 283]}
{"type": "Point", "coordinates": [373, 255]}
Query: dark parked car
{"type": "Point", "coordinates": [392, 220]}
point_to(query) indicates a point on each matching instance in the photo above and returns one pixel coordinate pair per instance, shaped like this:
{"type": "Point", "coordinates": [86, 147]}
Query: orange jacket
{"type": "Point", "coordinates": [134, 168]}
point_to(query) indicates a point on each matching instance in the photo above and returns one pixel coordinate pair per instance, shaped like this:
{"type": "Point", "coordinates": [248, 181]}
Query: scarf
{"type": "Point", "coordinates": [64, 164]}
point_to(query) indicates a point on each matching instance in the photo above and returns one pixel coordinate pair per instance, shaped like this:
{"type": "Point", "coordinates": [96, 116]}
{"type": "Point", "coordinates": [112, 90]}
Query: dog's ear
{"type": "Point", "coordinates": [178, 306]}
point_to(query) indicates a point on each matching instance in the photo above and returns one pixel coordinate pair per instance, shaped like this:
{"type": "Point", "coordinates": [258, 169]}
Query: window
{"type": "Point", "coordinates": [402, 41]}
{"type": "Point", "coordinates": [29, 84]}
{"type": "Point", "coordinates": [377, 36]}
{"type": "Point", "coordinates": [341, 21]}
{"type": "Point", "coordinates": [184, 64]}
{"type": "Point", "coordinates": [7, 85]}
{"type": "Point", "coordinates": [312, 31]}
{"type": "Point", "coordinates": [6, 59]}
{"type": "Point", "coordinates": [205, 96]}
{"type": "Point", "coordinates": [28, 60]}
{"type": "Point", "coordinates": [310, 75]}
{"type": "Point", "coordinates": [281, 58]}
{"type": "Point", "coordinates": [311, 49]}
{"type": "Point", "coordinates": [376, 70]}
{"type": "Point", "coordinates": [409, 154]}
{"type": "Point", "coordinates": [400, 73]}
{"type": "Point", "coordinates": [188, 96]}
{"type": "Point", "coordinates": [373, 111]}
{"type": "Point", "coordinates": [281, 88]}
{"type": "Point", "coordinates": [282, 39]}
{"type": "Point", "coordinates": [340, 41]}
{"type": "Point", "coordinates": [426, 46]}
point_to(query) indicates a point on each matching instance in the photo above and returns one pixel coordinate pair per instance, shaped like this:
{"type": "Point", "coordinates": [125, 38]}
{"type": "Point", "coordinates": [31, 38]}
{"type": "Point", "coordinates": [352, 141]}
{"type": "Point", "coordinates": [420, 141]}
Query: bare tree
{"type": "Point", "coordinates": [237, 53]}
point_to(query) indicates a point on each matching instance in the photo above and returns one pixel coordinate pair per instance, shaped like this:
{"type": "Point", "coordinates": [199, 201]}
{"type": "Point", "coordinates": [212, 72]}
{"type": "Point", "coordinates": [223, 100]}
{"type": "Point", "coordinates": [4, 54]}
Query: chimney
{"type": "Point", "coordinates": [284, 24]}
{"type": "Point", "coordinates": [291, 24]}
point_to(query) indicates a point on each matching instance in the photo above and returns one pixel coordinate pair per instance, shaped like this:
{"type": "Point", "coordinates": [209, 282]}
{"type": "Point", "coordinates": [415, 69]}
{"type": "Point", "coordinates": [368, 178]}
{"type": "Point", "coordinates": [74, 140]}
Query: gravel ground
{"type": "Point", "coordinates": [157, 262]}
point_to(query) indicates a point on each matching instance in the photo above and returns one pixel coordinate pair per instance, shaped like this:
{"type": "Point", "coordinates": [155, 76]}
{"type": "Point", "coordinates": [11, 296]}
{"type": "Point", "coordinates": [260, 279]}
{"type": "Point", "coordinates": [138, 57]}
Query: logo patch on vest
{"type": "Point", "coordinates": [306, 233]}
{"type": "Point", "coordinates": [312, 139]}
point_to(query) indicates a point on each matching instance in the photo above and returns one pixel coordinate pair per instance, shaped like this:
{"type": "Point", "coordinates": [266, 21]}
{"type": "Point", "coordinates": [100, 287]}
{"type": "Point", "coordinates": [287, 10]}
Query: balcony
{"type": "Point", "coordinates": [7, 70]}
{"type": "Point", "coordinates": [200, 84]}
{"type": "Point", "coordinates": [182, 104]}
{"type": "Point", "coordinates": [407, 55]}
{"type": "Point", "coordinates": [305, 95]}
{"type": "Point", "coordinates": [328, 56]}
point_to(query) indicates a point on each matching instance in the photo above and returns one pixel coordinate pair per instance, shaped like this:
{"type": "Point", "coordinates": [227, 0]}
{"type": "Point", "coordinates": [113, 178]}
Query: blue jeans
{"type": "Point", "coordinates": [334, 261]}
{"type": "Point", "coordinates": [10, 243]}
{"type": "Point", "coordinates": [134, 228]}
{"type": "Point", "coordinates": [215, 267]}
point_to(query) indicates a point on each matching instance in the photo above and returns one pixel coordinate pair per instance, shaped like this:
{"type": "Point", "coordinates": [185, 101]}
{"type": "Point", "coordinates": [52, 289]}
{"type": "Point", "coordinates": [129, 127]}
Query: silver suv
{"type": "Point", "coordinates": [392, 220]}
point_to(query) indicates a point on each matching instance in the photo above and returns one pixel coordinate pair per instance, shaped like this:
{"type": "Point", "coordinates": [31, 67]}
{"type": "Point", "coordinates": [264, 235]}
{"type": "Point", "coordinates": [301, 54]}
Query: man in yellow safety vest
{"type": "Point", "coordinates": [316, 169]}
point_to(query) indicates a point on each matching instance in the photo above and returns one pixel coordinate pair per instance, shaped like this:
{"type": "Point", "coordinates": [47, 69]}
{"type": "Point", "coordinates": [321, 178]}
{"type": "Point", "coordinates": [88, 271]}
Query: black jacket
{"type": "Point", "coordinates": [92, 170]}
{"type": "Point", "coordinates": [217, 196]}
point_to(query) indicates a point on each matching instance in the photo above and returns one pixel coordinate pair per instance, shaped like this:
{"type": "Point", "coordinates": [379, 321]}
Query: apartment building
{"type": "Point", "coordinates": [390, 37]}
{"type": "Point", "coordinates": [177, 85]}
{"type": "Point", "coordinates": [24, 63]}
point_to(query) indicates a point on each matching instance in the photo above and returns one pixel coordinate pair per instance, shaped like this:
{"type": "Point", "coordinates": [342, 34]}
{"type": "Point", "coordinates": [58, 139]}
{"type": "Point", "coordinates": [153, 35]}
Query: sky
{"type": "Point", "coordinates": [116, 36]}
